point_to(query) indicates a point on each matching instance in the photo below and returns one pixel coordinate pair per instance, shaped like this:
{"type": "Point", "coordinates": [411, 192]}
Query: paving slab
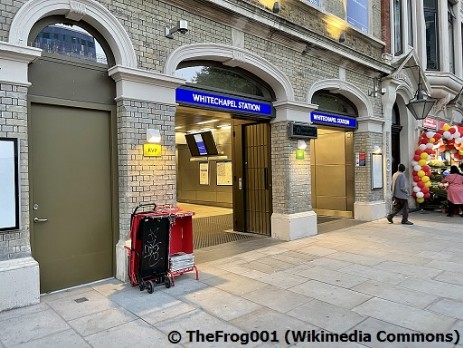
{"type": "Point", "coordinates": [276, 298]}
{"type": "Point", "coordinates": [327, 316]}
{"type": "Point", "coordinates": [406, 316]}
{"type": "Point", "coordinates": [395, 293]}
{"type": "Point", "coordinates": [29, 327]}
{"type": "Point", "coordinates": [329, 293]}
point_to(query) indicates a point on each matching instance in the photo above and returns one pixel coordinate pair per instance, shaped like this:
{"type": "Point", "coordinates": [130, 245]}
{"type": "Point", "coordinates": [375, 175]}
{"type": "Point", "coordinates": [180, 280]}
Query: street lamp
{"type": "Point", "coordinates": [420, 107]}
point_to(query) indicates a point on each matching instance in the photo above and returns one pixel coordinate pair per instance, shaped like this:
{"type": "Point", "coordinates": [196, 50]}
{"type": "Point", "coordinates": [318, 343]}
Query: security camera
{"type": "Point", "coordinates": [181, 27]}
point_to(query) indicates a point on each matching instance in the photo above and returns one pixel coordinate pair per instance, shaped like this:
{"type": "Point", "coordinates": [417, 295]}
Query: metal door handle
{"type": "Point", "coordinates": [40, 220]}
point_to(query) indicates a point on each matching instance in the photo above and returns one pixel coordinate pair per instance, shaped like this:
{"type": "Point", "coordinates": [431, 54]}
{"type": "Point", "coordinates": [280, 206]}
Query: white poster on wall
{"type": "Point", "coordinates": [9, 197]}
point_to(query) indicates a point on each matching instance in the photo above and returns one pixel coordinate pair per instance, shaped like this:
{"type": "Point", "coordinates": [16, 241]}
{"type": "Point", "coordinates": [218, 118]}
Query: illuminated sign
{"type": "Point", "coordinates": [223, 102]}
{"type": "Point", "coordinates": [151, 150]}
{"type": "Point", "coordinates": [333, 120]}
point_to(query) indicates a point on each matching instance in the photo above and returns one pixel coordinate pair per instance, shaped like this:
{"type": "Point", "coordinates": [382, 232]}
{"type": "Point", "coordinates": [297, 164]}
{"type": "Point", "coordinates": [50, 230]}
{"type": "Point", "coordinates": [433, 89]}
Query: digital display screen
{"type": "Point", "coordinates": [200, 144]}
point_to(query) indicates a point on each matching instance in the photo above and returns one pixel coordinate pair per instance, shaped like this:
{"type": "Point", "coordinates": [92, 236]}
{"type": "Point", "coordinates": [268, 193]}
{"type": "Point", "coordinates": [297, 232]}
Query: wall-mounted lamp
{"type": "Point", "coordinates": [342, 37]}
{"type": "Point", "coordinates": [301, 144]}
{"type": "Point", "coordinates": [420, 107]}
{"type": "Point", "coordinates": [181, 27]}
{"type": "Point", "coordinates": [276, 7]}
{"type": "Point", "coordinates": [153, 135]}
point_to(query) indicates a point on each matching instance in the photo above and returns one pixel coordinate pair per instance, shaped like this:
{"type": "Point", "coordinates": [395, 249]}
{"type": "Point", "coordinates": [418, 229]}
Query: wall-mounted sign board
{"type": "Point", "coordinates": [9, 184]}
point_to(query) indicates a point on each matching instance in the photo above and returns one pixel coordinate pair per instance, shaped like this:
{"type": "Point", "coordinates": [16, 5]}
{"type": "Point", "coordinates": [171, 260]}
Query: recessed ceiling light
{"type": "Point", "coordinates": [208, 121]}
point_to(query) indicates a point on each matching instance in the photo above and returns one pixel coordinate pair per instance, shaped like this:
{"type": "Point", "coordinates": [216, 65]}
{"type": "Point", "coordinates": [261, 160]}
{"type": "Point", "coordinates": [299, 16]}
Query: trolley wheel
{"type": "Point", "coordinates": [149, 287]}
{"type": "Point", "coordinates": [167, 282]}
{"type": "Point", "coordinates": [141, 286]}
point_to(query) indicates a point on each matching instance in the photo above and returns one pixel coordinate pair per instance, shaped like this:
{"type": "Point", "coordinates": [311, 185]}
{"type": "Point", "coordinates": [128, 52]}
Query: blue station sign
{"type": "Point", "coordinates": [333, 120]}
{"type": "Point", "coordinates": [223, 102]}
{"type": "Point", "coordinates": [357, 14]}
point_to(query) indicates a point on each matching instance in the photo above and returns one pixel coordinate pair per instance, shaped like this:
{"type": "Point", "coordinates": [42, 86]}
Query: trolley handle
{"type": "Point", "coordinates": [144, 205]}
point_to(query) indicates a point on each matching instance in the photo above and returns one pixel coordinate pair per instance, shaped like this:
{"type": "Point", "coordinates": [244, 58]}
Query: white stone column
{"type": "Point", "coordinates": [19, 273]}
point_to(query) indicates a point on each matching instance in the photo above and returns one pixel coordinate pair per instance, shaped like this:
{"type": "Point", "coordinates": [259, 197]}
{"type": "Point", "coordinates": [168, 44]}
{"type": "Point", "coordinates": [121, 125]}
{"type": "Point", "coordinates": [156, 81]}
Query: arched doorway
{"type": "Point", "coordinates": [395, 138]}
{"type": "Point", "coordinates": [228, 104]}
{"type": "Point", "coordinates": [71, 154]}
{"type": "Point", "coordinates": [331, 155]}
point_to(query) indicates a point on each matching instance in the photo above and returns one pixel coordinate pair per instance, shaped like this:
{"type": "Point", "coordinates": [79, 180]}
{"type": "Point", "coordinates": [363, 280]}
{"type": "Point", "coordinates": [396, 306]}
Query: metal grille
{"type": "Point", "coordinates": [211, 230]}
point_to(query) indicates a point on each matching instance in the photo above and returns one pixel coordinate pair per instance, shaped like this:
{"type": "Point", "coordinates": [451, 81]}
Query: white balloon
{"type": "Point", "coordinates": [422, 147]}
{"type": "Point", "coordinates": [458, 140]}
{"type": "Point", "coordinates": [447, 135]}
{"type": "Point", "coordinates": [417, 168]}
{"type": "Point", "coordinates": [429, 145]}
{"type": "Point", "coordinates": [416, 189]}
{"type": "Point", "coordinates": [430, 134]}
{"type": "Point", "coordinates": [419, 195]}
{"type": "Point", "coordinates": [414, 163]}
{"type": "Point", "coordinates": [414, 183]}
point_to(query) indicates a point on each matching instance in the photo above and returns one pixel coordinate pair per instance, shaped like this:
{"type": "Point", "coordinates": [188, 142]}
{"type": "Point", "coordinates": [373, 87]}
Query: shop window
{"type": "Point", "coordinates": [334, 103]}
{"type": "Point", "coordinates": [432, 40]}
{"type": "Point", "coordinates": [71, 41]}
{"type": "Point", "coordinates": [212, 75]}
{"type": "Point", "coordinates": [357, 14]}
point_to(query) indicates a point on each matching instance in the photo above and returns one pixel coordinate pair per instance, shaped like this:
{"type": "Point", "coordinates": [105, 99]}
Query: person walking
{"type": "Point", "coordinates": [454, 189]}
{"type": "Point", "coordinates": [400, 196]}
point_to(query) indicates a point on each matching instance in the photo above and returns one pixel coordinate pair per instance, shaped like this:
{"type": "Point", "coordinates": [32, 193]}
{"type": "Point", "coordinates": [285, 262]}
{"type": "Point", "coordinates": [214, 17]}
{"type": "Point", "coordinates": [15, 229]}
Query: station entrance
{"type": "Point", "coordinates": [228, 189]}
{"type": "Point", "coordinates": [222, 131]}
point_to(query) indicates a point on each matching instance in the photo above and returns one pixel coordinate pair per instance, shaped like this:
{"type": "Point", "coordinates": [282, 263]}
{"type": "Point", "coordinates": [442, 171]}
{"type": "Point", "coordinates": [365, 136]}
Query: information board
{"type": "Point", "coordinates": [9, 184]}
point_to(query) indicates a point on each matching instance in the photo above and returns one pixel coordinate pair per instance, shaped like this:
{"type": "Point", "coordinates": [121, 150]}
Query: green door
{"type": "Point", "coordinates": [71, 222]}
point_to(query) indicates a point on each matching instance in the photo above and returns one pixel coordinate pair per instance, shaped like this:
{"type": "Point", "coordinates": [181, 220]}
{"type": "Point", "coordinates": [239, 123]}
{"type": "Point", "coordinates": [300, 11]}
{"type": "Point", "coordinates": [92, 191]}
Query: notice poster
{"type": "Point", "coordinates": [376, 171]}
{"type": "Point", "coordinates": [204, 173]}
{"type": "Point", "coordinates": [9, 189]}
{"type": "Point", "coordinates": [224, 173]}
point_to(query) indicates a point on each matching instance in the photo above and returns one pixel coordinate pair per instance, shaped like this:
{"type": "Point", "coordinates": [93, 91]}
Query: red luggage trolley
{"type": "Point", "coordinates": [151, 234]}
{"type": "Point", "coordinates": [149, 251]}
{"type": "Point", "coordinates": [181, 245]}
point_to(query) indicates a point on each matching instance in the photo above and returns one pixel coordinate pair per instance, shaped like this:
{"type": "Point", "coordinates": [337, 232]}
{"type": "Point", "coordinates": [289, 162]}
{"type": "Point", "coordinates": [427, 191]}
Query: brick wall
{"type": "Point", "coordinates": [143, 179]}
{"type": "Point", "coordinates": [13, 124]}
{"type": "Point", "coordinates": [291, 192]}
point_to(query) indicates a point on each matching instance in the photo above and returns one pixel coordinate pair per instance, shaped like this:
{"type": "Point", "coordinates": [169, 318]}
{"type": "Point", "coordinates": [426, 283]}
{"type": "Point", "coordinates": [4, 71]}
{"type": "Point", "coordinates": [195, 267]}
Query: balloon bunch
{"type": "Point", "coordinates": [421, 171]}
{"type": "Point", "coordinates": [452, 141]}
{"type": "Point", "coordinates": [449, 138]}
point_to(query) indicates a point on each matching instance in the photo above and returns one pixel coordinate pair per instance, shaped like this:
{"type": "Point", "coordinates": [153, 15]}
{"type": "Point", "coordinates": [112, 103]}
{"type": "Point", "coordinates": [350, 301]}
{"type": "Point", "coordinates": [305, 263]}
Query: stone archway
{"type": "Point", "coordinates": [235, 57]}
{"type": "Point", "coordinates": [87, 10]}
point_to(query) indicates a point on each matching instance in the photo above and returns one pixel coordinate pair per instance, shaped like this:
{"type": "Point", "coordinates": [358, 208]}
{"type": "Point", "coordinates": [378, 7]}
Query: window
{"type": "Point", "coordinates": [357, 14]}
{"type": "Point", "coordinates": [397, 27]}
{"type": "Point", "coordinates": [451, 21]}
{"type": "Point", "coordinates": [69, 40]}
{"type": "Point", "coordinates": [432, 42]}
{"type": "Point", "coordinates": [334, 103]}
{"type": "Point", "coordinates": [214, 75]}
{"type": "Point", "coordinates": [410, 23]}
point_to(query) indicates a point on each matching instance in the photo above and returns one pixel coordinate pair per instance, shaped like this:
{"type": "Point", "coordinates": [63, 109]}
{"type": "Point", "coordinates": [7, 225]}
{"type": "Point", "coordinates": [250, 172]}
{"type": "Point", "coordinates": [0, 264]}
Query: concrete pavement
{"type": "Point", "coordinates": [382, 285]}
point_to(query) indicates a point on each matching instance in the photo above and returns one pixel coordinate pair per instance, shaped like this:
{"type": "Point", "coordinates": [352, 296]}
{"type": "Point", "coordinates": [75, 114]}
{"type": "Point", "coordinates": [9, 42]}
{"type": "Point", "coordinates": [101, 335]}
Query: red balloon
{"type": "Point", "coordinates": [415, 173]}
{"type": "Point", "coordinates": [418, 152]}
{"type": "Point", "coordinates": [426, 168]}
{"type": "Point", "coordinates": [414, 194]}
{"type": "Point", "coordinates": [423, 141]}
{"type": "Point", "coordinates": [425, 189]}
{"type": "Point", "coordinates": [416, 178]}
{"type": "Point", "coordinates": [452, 130]}
{"type": "Point", "coordinates": [421, 184]}
{"type": "Point", "coordinates": [416, 158]}
{"type": "Point", "coordinates": [427, 195]}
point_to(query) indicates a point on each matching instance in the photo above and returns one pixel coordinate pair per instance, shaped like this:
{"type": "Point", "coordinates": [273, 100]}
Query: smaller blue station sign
{"type": "Point", "coordinates": [333, 120]}
{"type": "Point", "coordinates": [224, 102]}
